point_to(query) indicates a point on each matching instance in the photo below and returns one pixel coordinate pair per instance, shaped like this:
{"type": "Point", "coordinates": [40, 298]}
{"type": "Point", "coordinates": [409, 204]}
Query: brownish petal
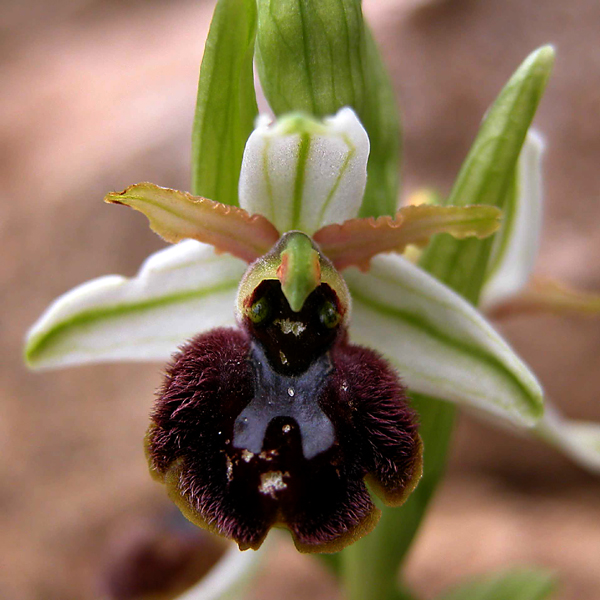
{"type": "Point", "coordinates": [176, 215]}
{"type": "Point", "coordinates": [356, 241]}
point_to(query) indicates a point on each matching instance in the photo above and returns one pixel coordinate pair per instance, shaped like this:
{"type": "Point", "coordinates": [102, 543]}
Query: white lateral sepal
{"type": "Point", "coordinates": [179, 291]}
{"type": "Point", "coordinates": [440, 344]}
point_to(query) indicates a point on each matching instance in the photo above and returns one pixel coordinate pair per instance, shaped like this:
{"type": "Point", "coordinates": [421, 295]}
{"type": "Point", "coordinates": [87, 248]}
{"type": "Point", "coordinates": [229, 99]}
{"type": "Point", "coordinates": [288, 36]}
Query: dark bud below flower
{"type": "Point", "coordinates": [155, 556]}
{"type": "Point", "coordinates": [279, 423]}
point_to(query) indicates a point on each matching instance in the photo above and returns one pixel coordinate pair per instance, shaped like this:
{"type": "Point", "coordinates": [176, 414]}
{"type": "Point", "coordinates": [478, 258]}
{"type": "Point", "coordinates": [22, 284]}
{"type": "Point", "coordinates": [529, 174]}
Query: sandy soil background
{"type": "Point", "coordinates": [97, 95]}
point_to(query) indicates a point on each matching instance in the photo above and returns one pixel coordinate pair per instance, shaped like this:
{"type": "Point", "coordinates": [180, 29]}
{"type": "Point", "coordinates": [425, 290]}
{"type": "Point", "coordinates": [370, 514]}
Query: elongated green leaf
{"type": "Point", "coordinates": [516, 584]}
{"type": "Point", "coordinates": [226, 105]}
{"type": "Point", "coordinates": [318, 56]}
{"type": "Point", "coordinates": [309, 55]}
{"type": "Point", "coordinates": [179, 292]}
{"type": "Point", "coordinates": [516, 245]}
{"type": "Point", "coordinates": [440, 344]}
{"type": "Point", "coordinates": [487, 173]}
{"type": "Point", "coordinates": [381, 119]}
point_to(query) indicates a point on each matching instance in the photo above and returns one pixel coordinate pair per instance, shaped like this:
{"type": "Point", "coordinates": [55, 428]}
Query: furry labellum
{"type": "Point", "coordinates": [279, 422]}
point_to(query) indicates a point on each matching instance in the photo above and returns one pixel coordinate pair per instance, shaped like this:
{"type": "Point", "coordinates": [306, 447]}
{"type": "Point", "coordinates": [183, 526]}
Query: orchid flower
{"type": "Point", "coordinates": [270, 399]}
{"type": "Point", "coordinates": [295, 330]}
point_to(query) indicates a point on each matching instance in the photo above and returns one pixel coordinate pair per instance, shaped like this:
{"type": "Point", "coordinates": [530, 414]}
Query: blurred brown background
{"type": "Point", "coordinates": [98, 94]}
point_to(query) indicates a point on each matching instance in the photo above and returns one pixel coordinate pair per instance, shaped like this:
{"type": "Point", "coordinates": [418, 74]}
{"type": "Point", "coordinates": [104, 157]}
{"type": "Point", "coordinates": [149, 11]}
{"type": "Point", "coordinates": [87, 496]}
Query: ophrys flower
{"type": "Point", "coordinates": [280, 420]}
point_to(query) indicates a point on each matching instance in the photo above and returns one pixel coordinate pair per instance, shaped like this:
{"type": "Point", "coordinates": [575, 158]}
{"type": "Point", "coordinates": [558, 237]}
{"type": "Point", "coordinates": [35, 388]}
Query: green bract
{"type": "Point", "coordinates": [487, 174]}
{"type": "Point", "coordinates": [318, 56]}
{"type": "Point", "coordinates": [462, 266]}
{"type": "Point", "coordinates": [226, 106]}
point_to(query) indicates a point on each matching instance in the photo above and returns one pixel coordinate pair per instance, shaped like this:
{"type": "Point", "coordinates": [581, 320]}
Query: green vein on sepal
{"type": "Point", "coordinates": [303, 150]}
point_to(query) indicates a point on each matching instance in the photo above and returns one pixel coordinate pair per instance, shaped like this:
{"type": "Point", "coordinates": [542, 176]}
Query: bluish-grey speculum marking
{"type": "Point", "coordinates": [277, 395]}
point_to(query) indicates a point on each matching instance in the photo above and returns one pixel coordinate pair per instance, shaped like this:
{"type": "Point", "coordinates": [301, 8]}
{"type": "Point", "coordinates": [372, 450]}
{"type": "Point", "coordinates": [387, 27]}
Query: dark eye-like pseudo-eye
{"type": "Point", "coordinates": [281, 421]}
